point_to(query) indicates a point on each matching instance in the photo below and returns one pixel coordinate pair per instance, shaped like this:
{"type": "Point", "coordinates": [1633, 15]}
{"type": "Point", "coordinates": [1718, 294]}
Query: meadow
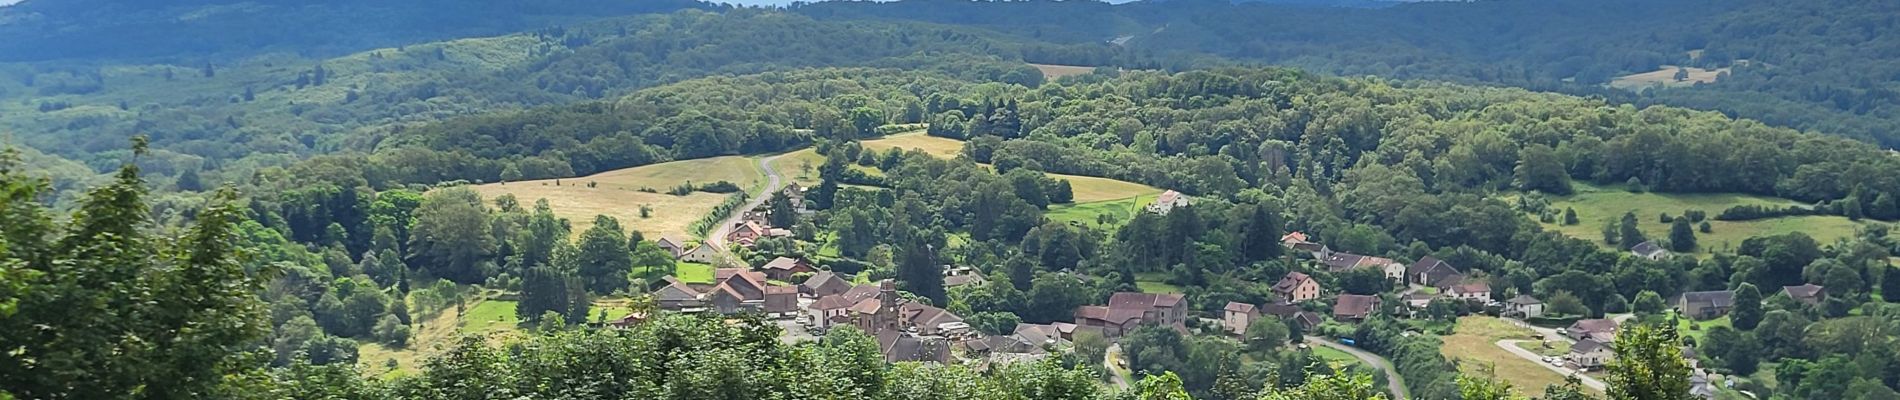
{"type": "Point", "coordinates": [617, 193]}
{"type": "Point", "coordinates": [1053, 71]}
{"type": "Point", "coordinates": [1597, 205]}
{"type": "Point", "coordinates": [1666, 77]}
{"type": "Point", "coordinates": [1474, 346]}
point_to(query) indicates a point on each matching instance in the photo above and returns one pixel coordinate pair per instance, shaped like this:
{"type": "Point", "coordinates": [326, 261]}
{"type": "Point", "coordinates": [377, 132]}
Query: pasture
{"type": "Point", "coordinates": [1473, 345]}
{"type": "Point", "coordinates": [1666, 77]}
{"type": "Point", "coordinates": [617, 193]}
{"type": "Point", "coordinates": [1597, 205]}
{"type": "Point", "coordinates": [1053, 71]}
{"type": "Point", "coordinates": [935, 146]}
{"type": "Point", "coordinates": [1104, 215]}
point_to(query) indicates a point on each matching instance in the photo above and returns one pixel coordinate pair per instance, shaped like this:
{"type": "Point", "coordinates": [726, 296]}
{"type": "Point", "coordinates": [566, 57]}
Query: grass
{"type": "Point", "coordinates": [1089, 189]}
{"type": "Point", "coordinates": [490, 316]}
{"type": "Point", "coordinates": [1155, 282]}
{"type": "Point", "coordinates": [1052, 71]}
{"type": "Point", "coordinates": [1703, 326]}
{"type": "Point", "coordinates": [1090, 214]}
{"type": "Point", "coordinates": [1474, 344]}
{"type": "Point", "coordinates": [1596, 205]}
{"type": "Point", "coordinates": [1555, 347]}
{"type": "Point", "coordinates": [1666, 76]}
{"type": "Point", "coordinates": [617, 193]}
{"type": "Point", "coordinates": [693, 272]}
{"type": "Point", "coordinates": [935, 146]}
{"type": "Point", "coordinates": [800, 167]}
{"type": "Point", "coordinates": [1337, 359]}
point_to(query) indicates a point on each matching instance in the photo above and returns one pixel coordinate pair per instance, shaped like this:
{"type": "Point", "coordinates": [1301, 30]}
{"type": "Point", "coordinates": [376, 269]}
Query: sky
{"type": "Point", "coordinates": [4, 3]}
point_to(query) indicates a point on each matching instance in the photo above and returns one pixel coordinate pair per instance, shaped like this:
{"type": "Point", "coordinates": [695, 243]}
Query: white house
{"type": "Point", "coordinates": [703, 254]}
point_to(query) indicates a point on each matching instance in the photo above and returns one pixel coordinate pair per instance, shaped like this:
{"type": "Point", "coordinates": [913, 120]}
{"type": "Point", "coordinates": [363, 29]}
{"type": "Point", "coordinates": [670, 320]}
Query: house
{"type": "Point", "coordinates": [1337, 262]}
{"type": "Point", "coordinates": [1810, 294]}
{"type": "Point", "coordinates": [1168, 201]}
{"type": "Point", "coordinates": [1353, 307]}
{"type": "Point", "coordinates": [781, 299]}
{"type": "Point", "coordinates": [1125, 310]}
{"type": "Point", "coordinates": [703, 254]}
{"type": "Point", "coordinates": [1524, 305]}
{"type": "Point", "coordinates": [930, 320]}
{"type": "Point", "coordinates": [1430, 271]}
{"type": "Point", "coordinates": [960, 276]}
{"type": "Point", "coordinates": [1589, 354]}
{"type": "Point", "coordinates": [746, 231]}
{"type": "Point", "coordinates": [1705, 305]}
{"type": "Point", "coordinates": [733, 291]}
{"type": "Point", "coordinates": [1418, 300]}
{"type": "Point", "coordinates": [903, 347]}
{"type": "Point", "coordinates": [1649, 250]}
{"type": "Point", "coordinates": [1307, 321]}
{"type": "Point", "coordinates": [1474, 291]}
{"type": "Point", "coordinates": [835, 309]}
{"type": "Point", "coordinates": [673, 246]}
{"type": "Point", "coordinates": [1293, 238]}
{"type": "Point", "coordinates": [1296, 287]}
{"type": "Point", "coordinates": [783, 268]}
{"type": "Point", "coordinates": [677, 296]}
{"type": "Point", "coordinates": [823, 283]}
{"type": "Point", "coordinates": [1601, 330]}
{"type": "Point", "coordinates": [1237, 316]}
{"type": "Point", "coordinates": [1292, 314]}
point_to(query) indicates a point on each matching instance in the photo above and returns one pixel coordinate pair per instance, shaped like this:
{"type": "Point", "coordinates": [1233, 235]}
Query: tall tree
{"type": "Point", "coordinates": [1747, 312]}
{"type": "Point", "coordinates": [1648, 365]}
{"type": "Point", "coordinates": [601, 258]}
{"type": "Point", "coordinates": [167, 317]}
{"type": "Point", "coordinates": [1628, 233]}
{"type": "Point", "coordinates": [450, 237]}
{"type": "Point", "coordinates": [1261, 234]}
{"type": "Point", "coordinates": [1681, 235]}
{"type": "Point", "coordinates": [1538, 168]}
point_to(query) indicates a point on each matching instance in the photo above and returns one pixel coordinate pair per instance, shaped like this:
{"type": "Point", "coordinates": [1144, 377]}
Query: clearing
{"type": "Point", "coordinates": [1598, 204]}
{"type": "Point", "coordinates": [1666, 76]}
{"type": "Point", "coordinates": [936, 146]}
{"type": "Point", "coordinates": [1474, 346]}
{"type": "Point", "coordinates": [1155, 282]}
{"type": "Point", "coordinates": [1053, 71]}
{"type": "Point", "coordinates": [1105, 215]}
{"type": "Point", "coordinates": [617, 193]}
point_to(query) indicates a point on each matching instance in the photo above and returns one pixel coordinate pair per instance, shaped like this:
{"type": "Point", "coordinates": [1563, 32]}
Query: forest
{"type": "Point", "coordinates": [266, 233]}
{"type": "Point", "coordinates": [1812, 65]}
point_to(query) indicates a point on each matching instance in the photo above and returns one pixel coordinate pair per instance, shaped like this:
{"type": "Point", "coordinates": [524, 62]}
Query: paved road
{"type": "Point", "coordinates": [717, 237]}
{"type": "Point", "coordinates": [1392, 379]}
{"type": "Point", "coordinates": [1511, 346]}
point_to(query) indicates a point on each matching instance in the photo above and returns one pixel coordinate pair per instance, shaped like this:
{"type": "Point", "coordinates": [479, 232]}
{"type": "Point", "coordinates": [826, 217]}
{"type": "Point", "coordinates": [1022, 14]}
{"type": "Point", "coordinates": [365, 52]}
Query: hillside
{"type": "Point", "coordinates": [201, 29]}
{"type": "Point", "coordinates": [1802, 64]}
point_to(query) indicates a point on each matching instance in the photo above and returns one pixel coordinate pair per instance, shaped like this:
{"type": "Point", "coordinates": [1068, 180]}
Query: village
{"type": "Point", "coordinates": [808, 301]}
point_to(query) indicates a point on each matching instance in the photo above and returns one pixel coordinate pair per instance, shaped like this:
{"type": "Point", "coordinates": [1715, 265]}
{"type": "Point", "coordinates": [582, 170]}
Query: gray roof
{"type": "Point", "coordinates": [1647, 249]}
{"type": "Point", "coordinates": [1524, 299]}
{"type": "Point", "coordinates": [1586, 346]}
{"type": "Point", "coordinates": [1713, 298]}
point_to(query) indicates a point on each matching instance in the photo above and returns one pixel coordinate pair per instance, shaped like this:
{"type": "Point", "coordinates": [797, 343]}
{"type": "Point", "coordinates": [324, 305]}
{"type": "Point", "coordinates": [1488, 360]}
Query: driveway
{"type": "Point", "coordinates": [1510, 345]}
{"type": "Point", "coordinates": [1392, 379]}
{"type": "Point", "coordinates": [717, 237]}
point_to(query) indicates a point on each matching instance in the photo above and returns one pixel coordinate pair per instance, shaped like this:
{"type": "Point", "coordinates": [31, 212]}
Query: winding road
{"type": "Point", "coordinates": [1393, 381]}
{"type": "Point", "coordinates": [717, 237]}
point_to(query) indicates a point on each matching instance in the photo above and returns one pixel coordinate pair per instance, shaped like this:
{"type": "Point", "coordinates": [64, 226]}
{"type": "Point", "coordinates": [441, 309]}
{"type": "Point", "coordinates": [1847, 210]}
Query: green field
{"type": "Point", "coordinates": [1155, 282]}
{"type": "Point", "coordinates": [1335, 358]}
{"type": "Point", "coordinates": [1090, 214]}
{"type": "Point", "coordinates": [1702, 327]}
{"type": "Point", "coordinates": [1474, 348]}
{"type": "Point", "coordinates": [1596, 205]}
{"type": "Point", "coordinates": [693, 272]}
{"type": "Point", "coordinates": [490, 316]}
